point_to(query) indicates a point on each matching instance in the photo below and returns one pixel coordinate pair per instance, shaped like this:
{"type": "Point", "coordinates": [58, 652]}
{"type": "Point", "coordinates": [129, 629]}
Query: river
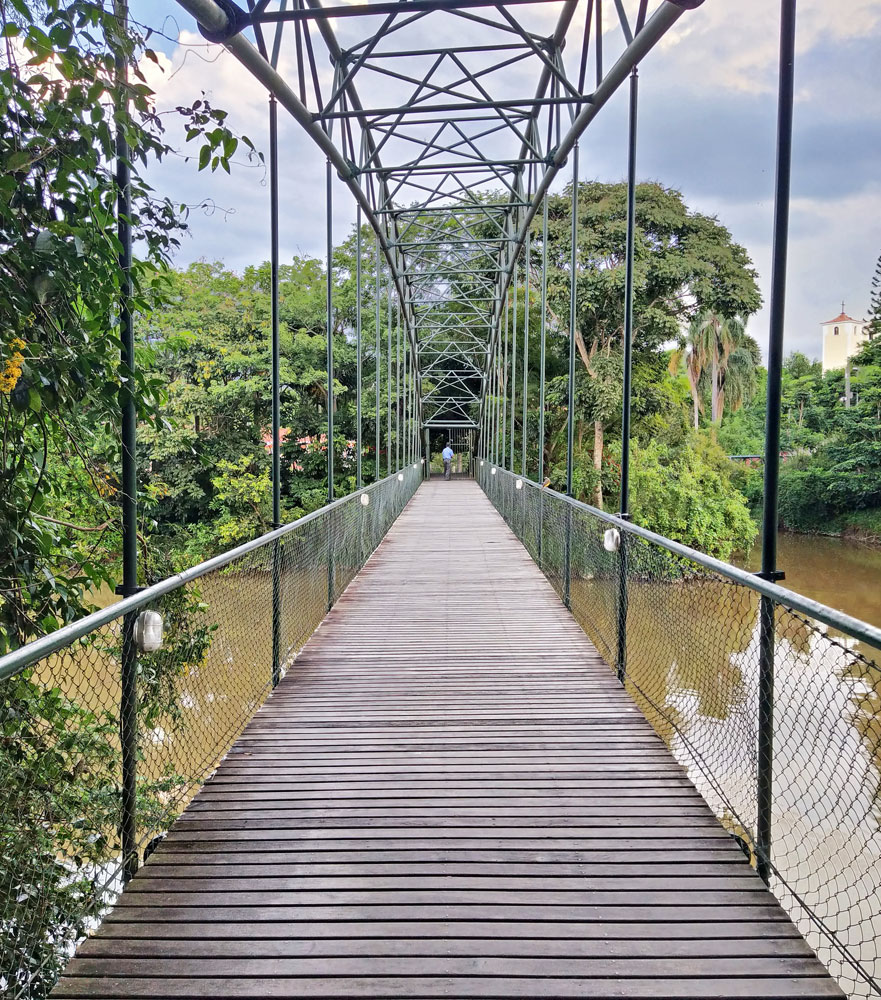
{"type": "Point", "coordinates": [844, 574]}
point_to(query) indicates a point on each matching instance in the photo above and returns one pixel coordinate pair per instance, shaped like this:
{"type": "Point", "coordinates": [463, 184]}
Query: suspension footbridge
{"type": "Point", "coordinates": [449, 739]}
{"type": "Point", "coordinates": [454, 800]}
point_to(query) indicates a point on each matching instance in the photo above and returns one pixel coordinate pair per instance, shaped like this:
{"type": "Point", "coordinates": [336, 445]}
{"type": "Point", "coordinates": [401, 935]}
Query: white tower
{"type": "Point", "coordinates": [842, 339]}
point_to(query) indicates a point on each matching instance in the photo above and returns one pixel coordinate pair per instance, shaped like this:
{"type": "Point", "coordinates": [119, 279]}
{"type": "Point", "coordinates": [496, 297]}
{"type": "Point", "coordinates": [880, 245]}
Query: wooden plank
{"type": "Point", "coordinates": [471, 944]}
{"type": "Point", "coordinates": [448, 795]}
{"type": "Point", "coordinates": [425, 988]}
{"type": "Point", "coordinates": [505, 967]}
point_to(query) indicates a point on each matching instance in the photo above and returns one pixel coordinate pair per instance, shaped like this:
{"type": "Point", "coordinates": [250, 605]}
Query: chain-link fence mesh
{"type": "Point", "coordinates": [61, 759]}
{"type": "Point", "coordinates": [693, 666]}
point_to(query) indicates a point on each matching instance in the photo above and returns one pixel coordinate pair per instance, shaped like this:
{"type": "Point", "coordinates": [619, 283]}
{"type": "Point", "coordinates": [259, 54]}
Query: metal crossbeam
{"type": "Point", "coordinates": [447, 152]}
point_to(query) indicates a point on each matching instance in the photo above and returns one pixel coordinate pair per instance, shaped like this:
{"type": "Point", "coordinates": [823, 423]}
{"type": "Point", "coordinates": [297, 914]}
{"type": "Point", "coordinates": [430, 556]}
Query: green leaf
{"type": "Point", "coordinates": [17, 160]}
{"type": "Point", "coordinates": [204, 157]}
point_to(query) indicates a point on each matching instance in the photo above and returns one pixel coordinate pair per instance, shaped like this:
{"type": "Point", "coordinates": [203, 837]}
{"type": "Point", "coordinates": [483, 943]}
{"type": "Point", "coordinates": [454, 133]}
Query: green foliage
{"type": "Point", "coordinates": [686, 268]}
{"type": "Point", "coordinates": [185, 642]}
{"type": "Point", "coordinates": [243, 498]}
{"type": "Point", "coordinates": [832, 452]}
{"type": "Point", "coordinates": [688, 496]}
{"type": "Point", "coordinates": [69, 86]}
{"type": "Point", "coordinates": [60, 765]}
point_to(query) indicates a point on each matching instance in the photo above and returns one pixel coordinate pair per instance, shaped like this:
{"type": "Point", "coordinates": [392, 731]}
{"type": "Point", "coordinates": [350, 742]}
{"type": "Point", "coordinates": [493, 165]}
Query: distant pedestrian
{"type": "Point", "coordinates": [447, 456]}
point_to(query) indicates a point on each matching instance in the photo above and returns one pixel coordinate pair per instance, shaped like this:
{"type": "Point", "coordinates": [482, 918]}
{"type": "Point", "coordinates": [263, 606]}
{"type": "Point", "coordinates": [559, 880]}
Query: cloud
{"type": "Point", "coordinates": [233, 225]}
{"type": "Point", "coordinates": [707, 127]}
{"type": "Point", "coordinates": [735, 48]}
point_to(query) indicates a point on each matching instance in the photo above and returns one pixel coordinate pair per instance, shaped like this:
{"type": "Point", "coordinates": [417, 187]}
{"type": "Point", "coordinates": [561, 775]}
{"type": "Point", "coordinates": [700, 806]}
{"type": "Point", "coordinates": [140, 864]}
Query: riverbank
{"type": "Point", "coordinates": [861, 526]}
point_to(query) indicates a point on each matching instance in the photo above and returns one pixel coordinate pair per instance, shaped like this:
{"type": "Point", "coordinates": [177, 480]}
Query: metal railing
{"type": "Point", "coordinates": [792, 768]}
{"type": "Point", "coordinates": [233, 625]}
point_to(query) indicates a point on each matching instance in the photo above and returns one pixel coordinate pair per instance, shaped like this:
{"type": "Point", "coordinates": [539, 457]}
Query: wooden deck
{"type": "Point", "coordinates": [449, 795]}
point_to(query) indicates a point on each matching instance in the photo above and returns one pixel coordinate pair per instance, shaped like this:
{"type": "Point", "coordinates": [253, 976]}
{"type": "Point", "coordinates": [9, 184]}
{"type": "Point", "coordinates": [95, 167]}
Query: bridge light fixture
{"type": "Point", "coordinates": [148, 631]}
{"type": "Point", "coordinates": [519, 484]}
{"type": "Point", "coordinates": [612, 540]}
{"type": "Point", "coordinates": [365, 500]}
{"type": "Point", "coordinates": [400, 477]}
{"type": "Point", "coordinates": [493, 470]}
{"type": "Point", "coordinates": [481, 463]}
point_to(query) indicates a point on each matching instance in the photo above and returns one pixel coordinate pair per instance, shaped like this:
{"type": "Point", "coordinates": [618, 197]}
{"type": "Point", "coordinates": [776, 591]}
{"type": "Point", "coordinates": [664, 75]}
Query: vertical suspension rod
{"type": "Point", "coordinates": [541, 362]}
{"type": "Point", "coordinates": [570, 415]}
{"type": "Point", "coordinates": [377, 295]}
{"type": "Point", "coordinates": [503, 392]}
{"type": "Point", "coordinates": [330, 399]}
{"type": "Point", "coordinates": [276, 388]}
{"type": "Point", "coordinates": [358, 482]}
{"type": "Point", "coordinates": [573, 298]}
{"type": "Point", "coordinates": [331, 575]}
{"type": "Point", "coordinates": [128, 716]}
{"type": "Point", "coordinates": [516, 290]}
{"type": "Point", "coordinates": [398, 386]}
{"type": "Point", "coordinates": [388, 359]}
{"type": "Point", "coordinates": [624, 500]}
{"type": "Point", "coordinates": [541, 375]}
{"type": "Point", "coordinates": [527, 249]}
{"type": "Point", "coordinates": [772, 438]}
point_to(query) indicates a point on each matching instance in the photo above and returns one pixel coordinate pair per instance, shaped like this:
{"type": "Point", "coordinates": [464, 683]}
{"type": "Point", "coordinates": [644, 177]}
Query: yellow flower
{"type": "Point", "coordinates": [11, 371]}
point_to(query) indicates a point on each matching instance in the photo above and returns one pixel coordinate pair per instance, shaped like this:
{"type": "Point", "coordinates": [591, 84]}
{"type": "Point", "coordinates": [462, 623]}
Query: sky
{"type": "Point", "coordinates": [707, 127]}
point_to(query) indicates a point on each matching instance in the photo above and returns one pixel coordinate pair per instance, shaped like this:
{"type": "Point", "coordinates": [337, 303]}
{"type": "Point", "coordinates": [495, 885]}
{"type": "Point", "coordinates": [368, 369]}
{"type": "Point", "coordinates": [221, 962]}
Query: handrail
{"type": "Point", "coordinates": [16, 661]}
{"type": "Point", "coordinates": [855, 627]}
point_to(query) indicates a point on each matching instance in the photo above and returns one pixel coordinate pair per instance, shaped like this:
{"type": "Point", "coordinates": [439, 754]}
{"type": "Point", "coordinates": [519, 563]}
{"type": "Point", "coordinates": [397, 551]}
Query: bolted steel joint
{"type": "Point", "coordinates": [236, 20]}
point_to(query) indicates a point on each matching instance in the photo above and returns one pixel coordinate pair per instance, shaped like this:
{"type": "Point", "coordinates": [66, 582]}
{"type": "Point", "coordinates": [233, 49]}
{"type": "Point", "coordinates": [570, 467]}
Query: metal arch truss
{"type": "Point", "coordinates": [448, 120]}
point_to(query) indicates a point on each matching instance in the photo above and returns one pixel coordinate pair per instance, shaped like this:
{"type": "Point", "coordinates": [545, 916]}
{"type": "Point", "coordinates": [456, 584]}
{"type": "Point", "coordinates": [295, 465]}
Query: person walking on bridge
{"type": "Point", "coordinates": [447, 456]}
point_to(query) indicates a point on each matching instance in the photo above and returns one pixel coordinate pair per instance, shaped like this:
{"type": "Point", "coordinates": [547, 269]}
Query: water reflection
{"type": "Point", "coordinates": [693, 661]}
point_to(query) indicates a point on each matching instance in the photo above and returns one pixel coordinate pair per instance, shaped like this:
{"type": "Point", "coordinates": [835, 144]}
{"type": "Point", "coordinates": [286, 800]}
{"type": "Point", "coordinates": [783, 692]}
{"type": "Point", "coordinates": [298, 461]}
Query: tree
{"type": "Point", "coordinates": [687, 495]}
{"type": "Point", "coordinates": [64, 98]}
{"type": "Point", "coordinates": [875, 302]}
{"type": "Point", "coordinates": [685, 263]}
{"type": "Point", "coordinates": [692, 352]}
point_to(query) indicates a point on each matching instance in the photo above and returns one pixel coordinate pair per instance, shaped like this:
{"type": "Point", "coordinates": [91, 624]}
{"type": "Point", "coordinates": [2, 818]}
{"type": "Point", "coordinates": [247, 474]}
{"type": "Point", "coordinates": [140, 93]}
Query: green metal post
{"type": "Point", "coordinates": [330, 395]}
{"type": "Point", "coordinates": [128, 713]}
{"type": "Point", "coordinates": [570, 417]}
{"type": "Point", "coordinates": [378, 349]}
{"type": "Point", "coordinates": [525, 359]}
{"type": "Point", "coordinates": [514, 364]}
{"type": "Point", "coordinates": [276, 389]}
{"type": "Point", "coordinates": [405, 403]}
{"type": "Point", "coordinates": [503, 391]}
{"type": "Point", "coordinates": [765, 764]}
{"type": "Point", "coordinates": [358, 480]}
{"type": "Point", "coordinates": [541, 376]}
{"type": "Point", "coordinates": [398, 388]}
{"type": "Point", "coordinates": [624, 512]}
{"type": "Point", "coordinates": [388, 358]}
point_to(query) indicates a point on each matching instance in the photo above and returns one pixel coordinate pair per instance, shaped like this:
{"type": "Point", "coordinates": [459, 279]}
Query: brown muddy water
{"type": "Point", "coordinates": [844, 574]}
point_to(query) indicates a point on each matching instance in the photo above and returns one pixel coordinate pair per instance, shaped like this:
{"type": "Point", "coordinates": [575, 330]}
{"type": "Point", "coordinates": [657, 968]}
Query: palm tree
{"type": "Point", "coordinates": [738, 372]}
{"type": "Point", "coordinates": [718, 347]}
{"type": "Point", "coordinates": [693, 347]}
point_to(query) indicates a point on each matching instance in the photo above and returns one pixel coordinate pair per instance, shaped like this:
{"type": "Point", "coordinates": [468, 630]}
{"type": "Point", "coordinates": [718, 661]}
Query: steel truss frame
{"type": "Point", "coordinates": [448, 149]}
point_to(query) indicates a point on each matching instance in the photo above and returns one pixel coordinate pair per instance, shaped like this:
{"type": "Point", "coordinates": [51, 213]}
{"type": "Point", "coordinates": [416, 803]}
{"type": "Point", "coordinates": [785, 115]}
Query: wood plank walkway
{"type": "Point", "coordinates": [449, 795]}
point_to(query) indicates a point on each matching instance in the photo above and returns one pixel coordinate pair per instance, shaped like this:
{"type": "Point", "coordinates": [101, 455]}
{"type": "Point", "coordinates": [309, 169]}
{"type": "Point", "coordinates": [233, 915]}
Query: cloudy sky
{"type": "Point", "coordinates": [707, 123]}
